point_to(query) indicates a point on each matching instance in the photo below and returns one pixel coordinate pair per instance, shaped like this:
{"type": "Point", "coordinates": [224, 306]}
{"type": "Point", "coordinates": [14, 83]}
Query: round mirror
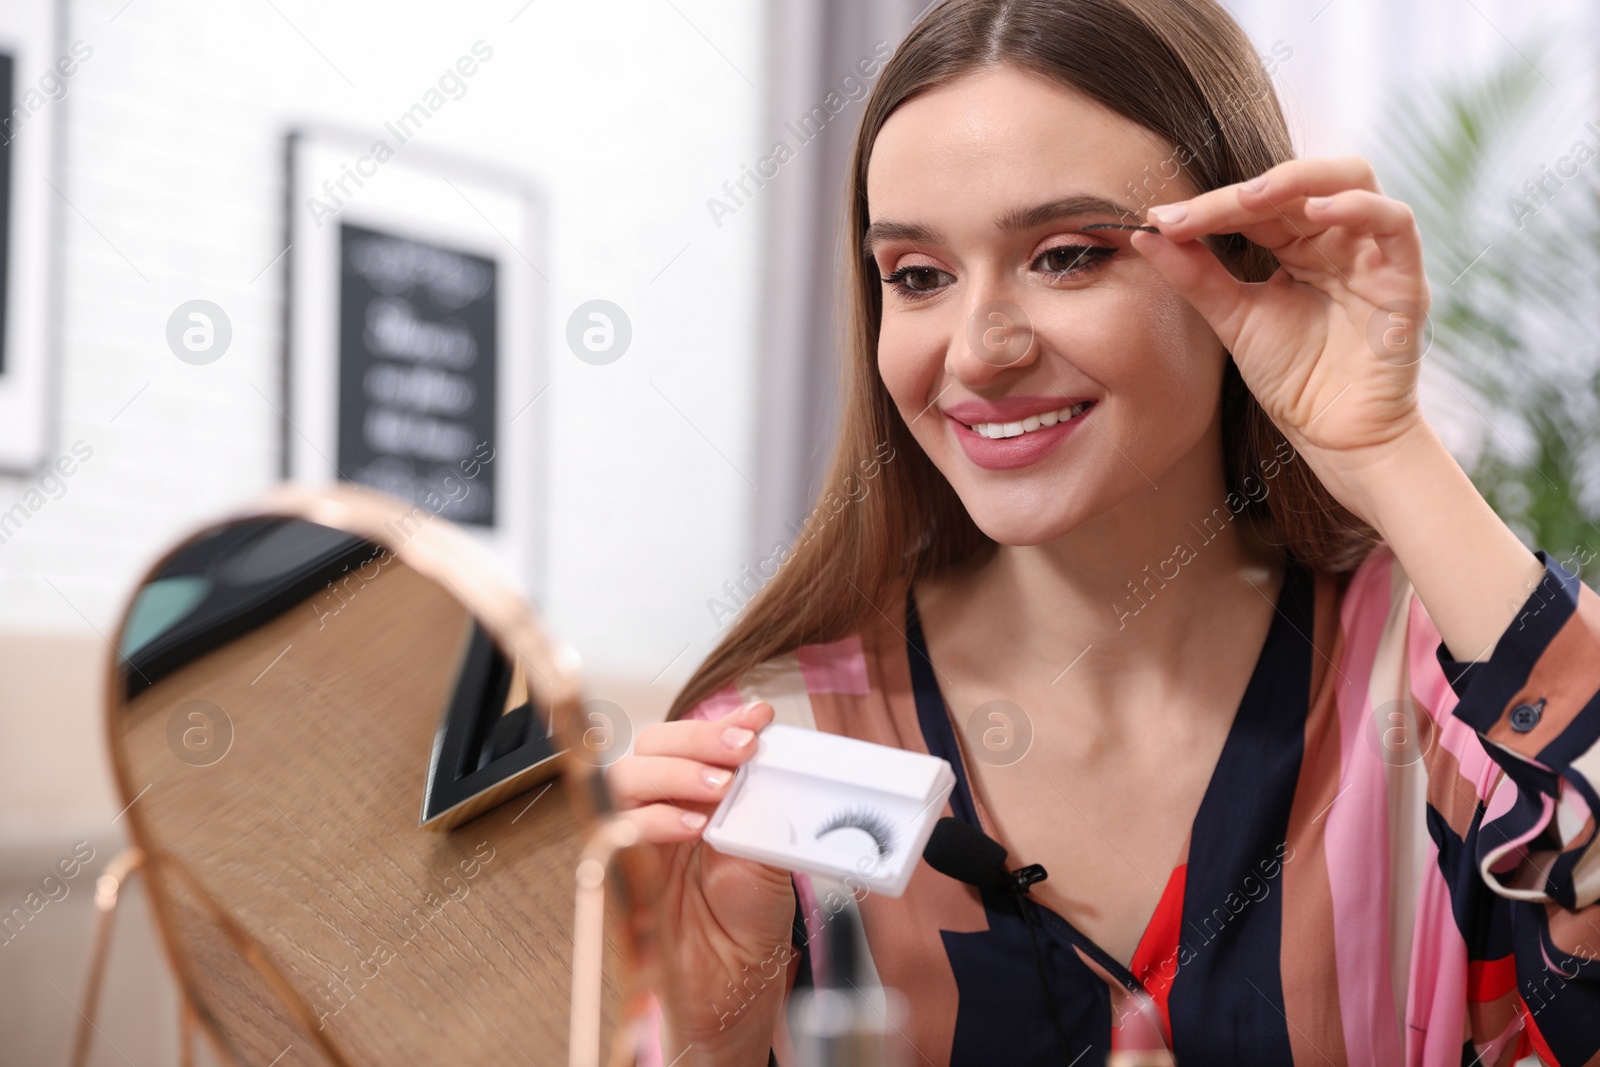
{"type": "Point", "coordinates": [340, 740]}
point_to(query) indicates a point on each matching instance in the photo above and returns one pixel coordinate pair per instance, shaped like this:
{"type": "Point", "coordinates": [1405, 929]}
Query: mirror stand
{"type": "Point", "coordinates": [107, 892]}
{"type": "Point", "coordinates": [588, 938]}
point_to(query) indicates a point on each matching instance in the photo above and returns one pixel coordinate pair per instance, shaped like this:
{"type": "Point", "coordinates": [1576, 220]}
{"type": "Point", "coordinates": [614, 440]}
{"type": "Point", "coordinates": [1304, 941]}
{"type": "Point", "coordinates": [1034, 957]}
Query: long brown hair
{"type": "Point", "coordinates": [1180, 68]}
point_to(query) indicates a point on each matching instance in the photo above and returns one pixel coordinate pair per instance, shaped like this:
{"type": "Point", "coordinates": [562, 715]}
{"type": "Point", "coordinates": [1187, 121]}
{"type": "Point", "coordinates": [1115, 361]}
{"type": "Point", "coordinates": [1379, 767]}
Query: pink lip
{"type": "Point", "coordinates": [1010, 453]}
{"type": "Point", "coordinates": [1009, 408]}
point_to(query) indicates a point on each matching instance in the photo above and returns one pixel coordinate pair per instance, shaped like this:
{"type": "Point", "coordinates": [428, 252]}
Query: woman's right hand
{"type": "Point", "coordinates": [726, 921]}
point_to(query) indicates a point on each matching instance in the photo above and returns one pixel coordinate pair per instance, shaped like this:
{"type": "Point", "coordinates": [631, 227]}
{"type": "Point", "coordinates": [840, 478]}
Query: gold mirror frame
{"type": "Point", "coordinates": [444, 554]}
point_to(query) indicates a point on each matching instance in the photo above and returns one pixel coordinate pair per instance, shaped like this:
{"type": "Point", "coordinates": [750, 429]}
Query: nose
{"type": "Point", "coordinates": [996, 336]}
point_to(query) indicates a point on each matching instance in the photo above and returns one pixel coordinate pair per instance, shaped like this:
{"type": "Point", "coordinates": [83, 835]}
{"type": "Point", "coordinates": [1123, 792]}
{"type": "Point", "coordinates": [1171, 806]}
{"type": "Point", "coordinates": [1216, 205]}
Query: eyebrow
{"type": "Point", "coordinates": [1009, 222]}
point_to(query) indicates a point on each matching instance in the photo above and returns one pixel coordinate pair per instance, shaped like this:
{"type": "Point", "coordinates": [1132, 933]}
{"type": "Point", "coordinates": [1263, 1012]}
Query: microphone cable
{"type": "Point", "coordinates": [969, 855]}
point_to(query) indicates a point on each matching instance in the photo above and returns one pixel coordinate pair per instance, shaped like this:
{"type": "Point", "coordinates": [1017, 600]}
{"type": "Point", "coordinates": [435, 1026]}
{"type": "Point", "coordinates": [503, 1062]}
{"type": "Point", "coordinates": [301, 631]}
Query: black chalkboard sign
{"type": "Point", "coordinates": [417, 372]}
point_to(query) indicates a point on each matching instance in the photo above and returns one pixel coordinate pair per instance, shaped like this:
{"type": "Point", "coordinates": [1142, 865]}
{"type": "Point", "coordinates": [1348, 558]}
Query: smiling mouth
{"type": "Point", "coordinates": [996, 430]}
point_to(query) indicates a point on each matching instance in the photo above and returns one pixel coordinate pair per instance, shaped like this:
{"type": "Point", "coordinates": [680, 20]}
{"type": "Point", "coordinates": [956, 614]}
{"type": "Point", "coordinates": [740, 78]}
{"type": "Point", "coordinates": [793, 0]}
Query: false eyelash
{"type": "Point", "coordinates": [1118, 226]}
{"type": "Point", "coordinates": [876, 825]}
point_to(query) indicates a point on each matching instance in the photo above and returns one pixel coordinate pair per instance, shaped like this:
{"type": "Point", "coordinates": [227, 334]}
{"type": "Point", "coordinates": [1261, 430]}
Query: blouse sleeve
{"type": "Point", "coordinates": [1535, 706]}
{"type": "Point", "coordinates": [1535, 703]}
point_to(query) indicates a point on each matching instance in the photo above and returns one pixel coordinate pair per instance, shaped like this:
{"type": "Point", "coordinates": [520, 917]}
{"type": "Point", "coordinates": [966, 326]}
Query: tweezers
{"type": "Point", "coordinates": [1118, 226]}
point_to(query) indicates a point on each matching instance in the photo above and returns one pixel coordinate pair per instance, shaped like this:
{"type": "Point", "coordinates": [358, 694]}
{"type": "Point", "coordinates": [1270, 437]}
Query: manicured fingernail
{"type": "Point", "coordinates": [737, 736]}
{"type": "Point", "coordinates": [693, 820]}
{"type": "Point", "coordinates": [713, 779]}
{"type": "Point", "coordinates": [1256, 184]}
{"type": "Point", "coordinates": [1317, 202]}
{"type": "Point", "coordinates": [1170, 212]}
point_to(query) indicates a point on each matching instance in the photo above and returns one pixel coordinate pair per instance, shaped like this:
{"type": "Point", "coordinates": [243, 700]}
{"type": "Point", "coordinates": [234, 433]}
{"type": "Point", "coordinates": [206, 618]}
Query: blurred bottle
{"type": "Point", "coordinates": [1138, 1036]}
{"type": "Point", "coordinates": [848, 1020]}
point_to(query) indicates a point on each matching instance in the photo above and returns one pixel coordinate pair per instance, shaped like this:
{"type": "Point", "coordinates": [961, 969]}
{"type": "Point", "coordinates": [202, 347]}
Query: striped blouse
{"type": "Point", "coordinates": [1364, 883]}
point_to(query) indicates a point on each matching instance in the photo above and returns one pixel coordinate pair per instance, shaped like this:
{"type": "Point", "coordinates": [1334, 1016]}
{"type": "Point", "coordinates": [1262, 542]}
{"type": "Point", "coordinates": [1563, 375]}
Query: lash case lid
{"type": "Point", "coordinates": [833, 806]}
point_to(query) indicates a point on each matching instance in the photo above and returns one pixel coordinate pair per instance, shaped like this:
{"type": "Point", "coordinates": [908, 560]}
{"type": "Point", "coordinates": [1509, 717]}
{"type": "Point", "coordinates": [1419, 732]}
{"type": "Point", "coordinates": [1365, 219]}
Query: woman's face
{"type": "Point", "coordinates": [997, 328]}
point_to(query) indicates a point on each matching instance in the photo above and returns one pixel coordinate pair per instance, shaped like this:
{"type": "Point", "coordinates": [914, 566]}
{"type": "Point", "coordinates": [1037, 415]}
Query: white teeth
{"type": "Point", "coordinates": [1029, 424]}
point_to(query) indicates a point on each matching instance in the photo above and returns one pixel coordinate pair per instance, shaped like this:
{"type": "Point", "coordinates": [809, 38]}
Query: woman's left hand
{"type": "Point", "coordinates": [1331, 344]}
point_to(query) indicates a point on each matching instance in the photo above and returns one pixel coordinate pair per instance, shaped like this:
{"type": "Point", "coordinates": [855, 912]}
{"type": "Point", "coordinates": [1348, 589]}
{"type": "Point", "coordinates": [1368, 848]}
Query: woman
{"type": "Point", "coordinates": [1149, 538]}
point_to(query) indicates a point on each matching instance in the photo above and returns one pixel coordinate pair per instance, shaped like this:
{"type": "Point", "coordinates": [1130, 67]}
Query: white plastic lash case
{"type": "Point", "coordinates": [833, 806]}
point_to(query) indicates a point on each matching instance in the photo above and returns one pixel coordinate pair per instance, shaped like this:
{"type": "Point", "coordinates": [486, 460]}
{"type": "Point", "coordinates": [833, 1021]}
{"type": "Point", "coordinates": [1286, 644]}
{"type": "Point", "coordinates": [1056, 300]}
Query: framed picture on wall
{"type": "Point", "coordinates": [413, 348]}
{"type": "Point", "coordinates": [37, 66]}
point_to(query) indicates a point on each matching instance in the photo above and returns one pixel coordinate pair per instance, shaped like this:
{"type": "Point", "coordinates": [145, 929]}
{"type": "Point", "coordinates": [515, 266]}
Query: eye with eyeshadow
{"type": "Point", "coordinates": [917, 281]}
{"type": "Point", "coordinates": [868, 820]}
{"type": "Point", "coordinates": [1067, 261]}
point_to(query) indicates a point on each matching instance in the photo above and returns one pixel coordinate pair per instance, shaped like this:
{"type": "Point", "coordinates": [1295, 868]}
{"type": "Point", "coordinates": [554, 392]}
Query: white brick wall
{"type": "Point", "coordinates": [623, 113]}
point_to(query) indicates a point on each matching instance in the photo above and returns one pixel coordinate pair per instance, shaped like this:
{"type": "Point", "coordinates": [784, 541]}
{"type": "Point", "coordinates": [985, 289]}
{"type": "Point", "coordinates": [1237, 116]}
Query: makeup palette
{"type": "Point", "coordinates": [832, 806]}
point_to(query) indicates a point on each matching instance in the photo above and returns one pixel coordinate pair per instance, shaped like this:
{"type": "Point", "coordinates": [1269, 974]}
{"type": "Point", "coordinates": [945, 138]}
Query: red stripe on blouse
{"type": "Point", "coordinates": [1489, 980]}
{"type": "Point", "coordinates": [1530, 1030]}
{"type": "Point", "coordinates": [1155, 962]}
